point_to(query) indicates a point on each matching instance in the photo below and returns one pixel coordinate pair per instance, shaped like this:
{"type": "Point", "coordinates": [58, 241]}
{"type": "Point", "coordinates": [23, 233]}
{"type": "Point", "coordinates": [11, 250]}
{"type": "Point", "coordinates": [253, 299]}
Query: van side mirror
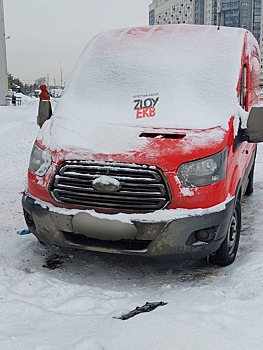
{"type": "Point", "coordinates": [254, 131]}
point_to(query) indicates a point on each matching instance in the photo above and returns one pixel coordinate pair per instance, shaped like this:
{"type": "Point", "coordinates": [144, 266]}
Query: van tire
{"type": "Point", "coordinates": [227, 252]}
{"type": "Point", "coordinates": [250, 185]}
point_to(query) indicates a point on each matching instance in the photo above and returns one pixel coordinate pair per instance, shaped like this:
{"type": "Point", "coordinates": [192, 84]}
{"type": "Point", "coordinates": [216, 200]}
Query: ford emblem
{"type": "Point", "coordinates": [106, 184]}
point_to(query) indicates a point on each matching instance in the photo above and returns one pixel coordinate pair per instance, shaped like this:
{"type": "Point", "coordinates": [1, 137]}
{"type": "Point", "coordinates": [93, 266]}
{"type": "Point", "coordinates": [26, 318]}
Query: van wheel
{"type": "Point", "coordinates": [250, 185]}
{"type": "Point", "coordinates": [227, 252]}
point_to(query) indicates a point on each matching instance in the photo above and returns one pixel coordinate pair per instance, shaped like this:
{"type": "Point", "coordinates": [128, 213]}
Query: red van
{"type": "Point", "coordinates": [151, 147]}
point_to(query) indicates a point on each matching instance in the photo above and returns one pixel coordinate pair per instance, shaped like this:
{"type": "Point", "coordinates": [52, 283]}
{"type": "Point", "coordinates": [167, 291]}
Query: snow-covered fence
{"type": "Point", "coordinates": [13, 100]}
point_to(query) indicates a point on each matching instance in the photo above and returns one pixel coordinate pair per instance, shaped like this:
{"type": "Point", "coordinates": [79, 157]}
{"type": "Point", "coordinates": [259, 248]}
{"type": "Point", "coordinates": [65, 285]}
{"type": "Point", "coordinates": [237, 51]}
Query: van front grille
{"type": "Point", "coordinates": [142, 188]}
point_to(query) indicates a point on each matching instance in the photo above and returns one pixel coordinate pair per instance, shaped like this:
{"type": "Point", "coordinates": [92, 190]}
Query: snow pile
{"type": "Point", "coordinates": [185, 76]}
{"type": "Point", "coordinates": [25, 100]}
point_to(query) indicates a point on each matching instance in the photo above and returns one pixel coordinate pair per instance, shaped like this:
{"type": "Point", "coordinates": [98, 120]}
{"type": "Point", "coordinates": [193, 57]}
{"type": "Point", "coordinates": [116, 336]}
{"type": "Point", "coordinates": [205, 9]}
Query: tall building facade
{"type": "Point", "coordinates": [246, 14]}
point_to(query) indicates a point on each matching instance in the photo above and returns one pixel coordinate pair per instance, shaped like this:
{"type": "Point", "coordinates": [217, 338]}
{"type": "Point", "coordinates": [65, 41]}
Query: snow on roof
{"type": "Point", "coordinates": [186, 75]}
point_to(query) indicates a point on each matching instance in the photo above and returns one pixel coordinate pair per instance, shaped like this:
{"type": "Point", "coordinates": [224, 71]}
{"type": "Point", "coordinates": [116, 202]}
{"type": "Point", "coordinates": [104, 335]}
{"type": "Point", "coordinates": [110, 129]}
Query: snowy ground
{"type": "Point", "coordinates": [72, 306]}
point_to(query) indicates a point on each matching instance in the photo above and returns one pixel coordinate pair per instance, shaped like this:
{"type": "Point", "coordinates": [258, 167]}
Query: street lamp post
{"type": "Point", "coordinates": [3, 64]}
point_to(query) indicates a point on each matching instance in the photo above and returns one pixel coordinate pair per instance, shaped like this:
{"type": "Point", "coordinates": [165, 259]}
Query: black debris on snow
{"type": "Point", "coordinates": [139, 309]}
{"type": "Point", "coordinates": [53, 261]}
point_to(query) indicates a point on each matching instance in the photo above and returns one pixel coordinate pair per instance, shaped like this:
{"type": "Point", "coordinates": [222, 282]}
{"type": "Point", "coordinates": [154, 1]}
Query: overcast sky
{"type": "Point", "coordinates": [47, 33]}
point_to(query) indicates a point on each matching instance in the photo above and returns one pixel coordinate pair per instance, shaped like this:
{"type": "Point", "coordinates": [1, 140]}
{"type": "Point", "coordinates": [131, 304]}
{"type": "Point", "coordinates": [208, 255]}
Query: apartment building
{"type": "Point", "coordinates": [231, 13]}
{"type": "Point", "coordinates": [172, 11]}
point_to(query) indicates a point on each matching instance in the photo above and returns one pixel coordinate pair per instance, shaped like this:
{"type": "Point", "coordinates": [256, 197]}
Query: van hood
{"type": "Point", "coordinates": [162, 147]}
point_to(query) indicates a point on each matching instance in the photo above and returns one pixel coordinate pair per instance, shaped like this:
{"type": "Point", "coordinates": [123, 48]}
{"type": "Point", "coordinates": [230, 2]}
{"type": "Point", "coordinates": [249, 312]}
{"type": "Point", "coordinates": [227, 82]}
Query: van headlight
{"type": "Point", "coordinates": [40, 161]}
{"type": "Point", "coordinates": [205, 171]}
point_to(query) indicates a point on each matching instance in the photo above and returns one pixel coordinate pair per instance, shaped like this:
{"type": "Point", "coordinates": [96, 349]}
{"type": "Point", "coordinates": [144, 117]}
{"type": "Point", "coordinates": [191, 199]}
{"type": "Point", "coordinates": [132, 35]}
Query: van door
{"type": "Point", "coordinates": [243, 151]}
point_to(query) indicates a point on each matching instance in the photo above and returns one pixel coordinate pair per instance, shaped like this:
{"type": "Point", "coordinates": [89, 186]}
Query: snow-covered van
{"type": "Point", "coordinates": [152, 145]}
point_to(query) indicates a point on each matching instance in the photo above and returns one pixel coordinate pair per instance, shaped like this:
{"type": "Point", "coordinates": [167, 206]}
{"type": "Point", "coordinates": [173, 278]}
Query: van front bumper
{"type": "Point", "coordinates": [197, 235]}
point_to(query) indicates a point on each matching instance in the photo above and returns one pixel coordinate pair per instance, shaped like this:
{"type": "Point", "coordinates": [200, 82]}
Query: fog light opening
{"type": "Point", "coordinates": [206, 234]}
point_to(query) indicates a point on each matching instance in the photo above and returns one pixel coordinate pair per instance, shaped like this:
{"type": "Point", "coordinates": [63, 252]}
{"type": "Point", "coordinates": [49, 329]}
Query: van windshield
{"type": "Point", "coordinates": [185, 75]}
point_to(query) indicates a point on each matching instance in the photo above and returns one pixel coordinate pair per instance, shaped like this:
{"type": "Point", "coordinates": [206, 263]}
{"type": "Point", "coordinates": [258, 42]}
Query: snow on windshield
{"type": "Point", "coordinates": [178, 76]}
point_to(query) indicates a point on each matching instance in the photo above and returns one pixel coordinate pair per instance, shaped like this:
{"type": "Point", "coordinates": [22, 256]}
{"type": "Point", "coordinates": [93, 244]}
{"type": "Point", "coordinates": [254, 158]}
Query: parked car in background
{"type": "Point", "coordinates": [151, 147]}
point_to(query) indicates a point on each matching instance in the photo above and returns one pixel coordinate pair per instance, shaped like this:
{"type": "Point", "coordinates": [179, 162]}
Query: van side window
{"type": "Point", "coordinates": [243, 89]}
